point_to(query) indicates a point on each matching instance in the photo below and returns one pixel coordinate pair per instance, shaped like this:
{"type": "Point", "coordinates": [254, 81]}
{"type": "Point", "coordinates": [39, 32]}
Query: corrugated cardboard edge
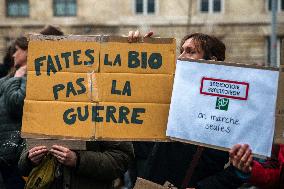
{"type": "Point", "coordinates": [98, 38]}
{"type": "Point", "coordinates": [43, 136]}
{"type": "Point", "coordinates": [71, 144]}
{"type": "Point", "coordinates": [94, 138]}
{"type": "Point", "coordinates": [82, 38]}
{"type": "Point", "coordinates": [133, 139]}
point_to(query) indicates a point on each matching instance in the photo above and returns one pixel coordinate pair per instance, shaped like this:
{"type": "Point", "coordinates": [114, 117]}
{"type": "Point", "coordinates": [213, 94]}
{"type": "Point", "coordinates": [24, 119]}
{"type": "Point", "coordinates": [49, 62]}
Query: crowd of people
{"type": "Point", "coordinates": [103, 163]}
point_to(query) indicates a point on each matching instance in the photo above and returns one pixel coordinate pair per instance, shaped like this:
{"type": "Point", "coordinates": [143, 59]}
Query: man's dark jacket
{"type": "Point", "coordinates": [170, 161]}
{"type": "Point", "coordinates": [96, 168]}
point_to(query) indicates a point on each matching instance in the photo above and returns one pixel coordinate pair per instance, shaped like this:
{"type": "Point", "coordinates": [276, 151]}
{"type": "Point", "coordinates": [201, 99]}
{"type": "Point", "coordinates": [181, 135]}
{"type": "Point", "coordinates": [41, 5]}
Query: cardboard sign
{"type": "Point", "coordinates": [146, 184]}
{"type": "Point", "coordinates": [51, 57]}
{"type": "Point", "coordinates": [103, 120]}
{"type": "Point", "coordinates": [222, 105]}
{"type": "Point", "coordinates": [98, 88]}
{"type": "Point", "coordinates": [155, 57]}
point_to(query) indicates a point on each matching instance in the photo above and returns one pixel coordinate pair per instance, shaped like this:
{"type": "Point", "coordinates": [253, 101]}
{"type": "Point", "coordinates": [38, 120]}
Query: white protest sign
{"type": "Point", "coordinates": [223, 105]}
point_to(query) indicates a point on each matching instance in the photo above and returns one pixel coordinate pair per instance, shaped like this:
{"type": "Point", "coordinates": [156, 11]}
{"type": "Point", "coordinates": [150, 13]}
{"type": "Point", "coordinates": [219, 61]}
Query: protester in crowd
{"type": "Point", "coordinates": [51, 30]}
{"type": "Point", "coordinates": [187, 165]}
{"type": "Point", "coordinates": [96, 167]}
{"type": "Point", "coordinates": [268, 174]}
{"type": "Point", "coordinates": [12, 94]}
{"type": "Point", "coordinates": [142, 150]}
{"type": "Point", "coordinates": [7, 66]}
{"type": "Point", "coordinates": [138, 165]}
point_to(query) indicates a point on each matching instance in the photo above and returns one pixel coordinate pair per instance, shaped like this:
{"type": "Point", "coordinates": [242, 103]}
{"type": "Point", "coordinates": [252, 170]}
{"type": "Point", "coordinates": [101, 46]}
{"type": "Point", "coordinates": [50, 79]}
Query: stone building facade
{"type": "Point", "coordinates": [243, 25]}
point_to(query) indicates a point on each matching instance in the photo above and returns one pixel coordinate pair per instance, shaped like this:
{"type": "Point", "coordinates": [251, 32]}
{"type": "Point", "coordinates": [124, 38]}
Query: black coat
{"type": "Point", "coordinates": [170, 162]}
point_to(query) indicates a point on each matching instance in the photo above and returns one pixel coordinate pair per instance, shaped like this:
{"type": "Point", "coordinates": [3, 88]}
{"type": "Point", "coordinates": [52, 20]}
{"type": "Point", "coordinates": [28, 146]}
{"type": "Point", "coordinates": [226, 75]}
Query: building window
{"type": "Point", "coordinates": [17, 8]}
{"type": "Point", "coordinates": [64, 7]}
{"type": "Point", "coordinates": [145, 6]}
{"type": "Point", "coordinates": [204, 5]}
{"type": "Point", "coordinates": [279, 5]}
{"type": "Point", "coordinates": [211, 6]}
{"type": "Point", "coordinates": [279, 46]}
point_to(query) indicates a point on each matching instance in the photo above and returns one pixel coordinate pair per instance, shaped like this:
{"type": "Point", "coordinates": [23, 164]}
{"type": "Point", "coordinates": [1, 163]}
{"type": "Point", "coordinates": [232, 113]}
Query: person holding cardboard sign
{"type": "Point", "coordinates": [266, 175]}
{"type": "Point", "coordinates": [187, 165]}
{"type": "Point", "coordinates": [95, 167]}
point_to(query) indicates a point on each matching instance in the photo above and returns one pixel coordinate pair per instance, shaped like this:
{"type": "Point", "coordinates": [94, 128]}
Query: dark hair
{"type": "Point", "coordinates": [51, 30]}
{"type": "Point", "coordinates": [209, 44]}
{"type": "Point", "coordinates": [8, 60]}
{"type": "Point", "coordinates": [22, 42]}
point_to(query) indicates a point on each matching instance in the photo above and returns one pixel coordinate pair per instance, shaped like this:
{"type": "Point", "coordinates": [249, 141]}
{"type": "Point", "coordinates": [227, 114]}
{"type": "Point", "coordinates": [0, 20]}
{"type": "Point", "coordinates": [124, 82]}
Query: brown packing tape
{"type": "Point", "coordinates": [61, 120]}
{"type": "Point", "coordinates": [93, 91]}
{"type": "Point", "coordinates": [51, 57]}
{"type": "Point", "coordinates": [108, 87]}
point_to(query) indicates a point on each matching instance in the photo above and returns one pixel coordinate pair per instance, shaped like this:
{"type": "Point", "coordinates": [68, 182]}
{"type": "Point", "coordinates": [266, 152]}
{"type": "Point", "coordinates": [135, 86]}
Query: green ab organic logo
{"type": "Point", "coordinates": [222, 104]}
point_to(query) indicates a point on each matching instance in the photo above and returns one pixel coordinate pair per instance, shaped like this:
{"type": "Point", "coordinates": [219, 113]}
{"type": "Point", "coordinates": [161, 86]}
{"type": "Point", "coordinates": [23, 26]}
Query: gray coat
{"type": "Point", "coordinates": [97, 167]}
{"type": "Point", "coordinates": [12, 94]}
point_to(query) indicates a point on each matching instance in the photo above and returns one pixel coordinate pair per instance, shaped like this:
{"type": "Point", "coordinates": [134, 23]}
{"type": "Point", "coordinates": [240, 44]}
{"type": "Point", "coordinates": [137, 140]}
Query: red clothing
{"type": "Point", "coordinates": [268, 175]}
